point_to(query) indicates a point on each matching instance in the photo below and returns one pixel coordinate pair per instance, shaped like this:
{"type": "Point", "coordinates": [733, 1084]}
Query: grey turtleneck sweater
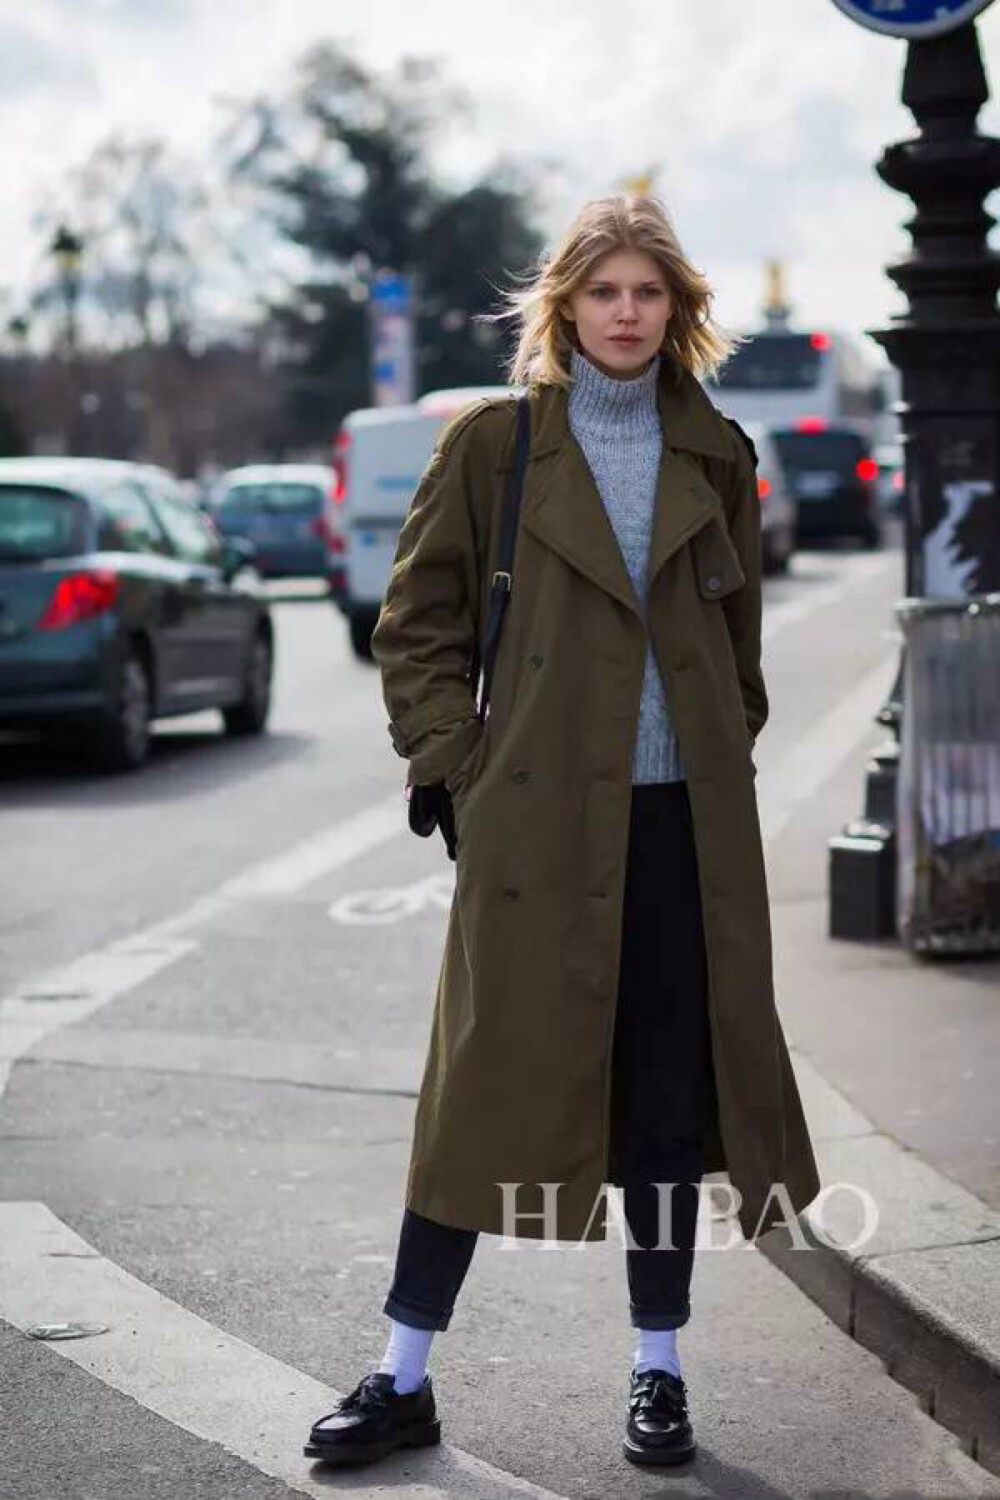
{"type": "Point", "coordinates": [617, 424]}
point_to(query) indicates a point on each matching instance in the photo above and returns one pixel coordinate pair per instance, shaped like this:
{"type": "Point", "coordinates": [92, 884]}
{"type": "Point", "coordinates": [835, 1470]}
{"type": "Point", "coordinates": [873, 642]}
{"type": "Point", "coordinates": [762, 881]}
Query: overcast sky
{"type": "Point", "coordinates": [762, 118]}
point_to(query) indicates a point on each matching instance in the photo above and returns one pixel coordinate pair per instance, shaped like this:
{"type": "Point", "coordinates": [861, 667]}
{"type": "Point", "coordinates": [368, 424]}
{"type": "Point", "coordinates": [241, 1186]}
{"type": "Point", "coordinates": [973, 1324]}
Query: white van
{"type": "Point", "coordinates": [379, 456]}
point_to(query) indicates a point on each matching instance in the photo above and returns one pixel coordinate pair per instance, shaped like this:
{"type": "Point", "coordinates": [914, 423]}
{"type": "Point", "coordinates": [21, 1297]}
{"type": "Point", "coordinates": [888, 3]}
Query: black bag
{"type": "Point", "coordinates": [430, 806]}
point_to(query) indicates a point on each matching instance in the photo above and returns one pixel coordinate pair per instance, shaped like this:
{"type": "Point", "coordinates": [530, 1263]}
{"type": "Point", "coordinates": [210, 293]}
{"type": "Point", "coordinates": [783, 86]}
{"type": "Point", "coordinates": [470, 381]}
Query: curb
{"type": "Point", "coordinates": [923, 1293]}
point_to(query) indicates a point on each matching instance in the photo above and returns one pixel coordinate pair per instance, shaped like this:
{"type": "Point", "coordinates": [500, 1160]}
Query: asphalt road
{"type": "Point", "coordinates": [222, 972]}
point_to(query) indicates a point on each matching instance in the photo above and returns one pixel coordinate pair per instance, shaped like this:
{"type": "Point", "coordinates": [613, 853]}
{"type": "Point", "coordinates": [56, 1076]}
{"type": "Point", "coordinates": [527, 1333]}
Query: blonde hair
{"type": "Point", "coordinates": [627, 221]}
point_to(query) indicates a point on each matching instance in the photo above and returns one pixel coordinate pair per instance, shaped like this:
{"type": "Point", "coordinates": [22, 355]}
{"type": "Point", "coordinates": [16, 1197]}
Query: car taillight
{"type": "Point", "coordinates": [898, 481]}
{"type": "Point", "coordinates": [811, 424]}
{"type": "Point", "coordinates": [763, 487]}
{"type": "Point", "coordinates": [79, 597]}
{"type": "Point", "coordinates": [341, 447]}
{"type": "Point", "coordinates": [866, 469]}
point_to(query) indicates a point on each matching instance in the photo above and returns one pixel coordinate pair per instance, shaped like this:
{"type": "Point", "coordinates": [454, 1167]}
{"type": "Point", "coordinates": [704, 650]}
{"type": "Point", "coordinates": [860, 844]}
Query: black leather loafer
{"type": "Point", "coordinates": [372, 1421]}
{"type": "Point", "coordinates": [658, 1430]}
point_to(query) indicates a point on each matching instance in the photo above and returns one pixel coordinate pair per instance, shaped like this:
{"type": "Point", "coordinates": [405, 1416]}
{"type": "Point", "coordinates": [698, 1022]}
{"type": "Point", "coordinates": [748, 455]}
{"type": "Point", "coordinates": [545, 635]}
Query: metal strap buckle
{"type": "Point", "coordinates": [500, 574]}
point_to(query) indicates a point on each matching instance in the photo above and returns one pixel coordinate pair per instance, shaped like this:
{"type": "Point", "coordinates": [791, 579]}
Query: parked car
{"type": "Point", "coordinates": [287, 512]}
{"type": "Point", "coordinates": [835, 480]}
{"type": "Point", "coordinates": [120, 604]}
{"type": "Point", "coordinates": [777, 504]}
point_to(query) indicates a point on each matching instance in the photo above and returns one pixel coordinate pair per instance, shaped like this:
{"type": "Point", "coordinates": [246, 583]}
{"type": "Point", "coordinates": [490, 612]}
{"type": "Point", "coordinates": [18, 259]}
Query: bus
{"type": "Point", "coordinates": [782, 378]}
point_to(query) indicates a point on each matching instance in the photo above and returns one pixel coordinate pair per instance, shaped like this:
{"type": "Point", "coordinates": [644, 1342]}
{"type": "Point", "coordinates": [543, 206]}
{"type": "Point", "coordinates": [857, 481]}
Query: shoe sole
{"type": "Point", "coordinates": [355, 1455]}
{"type": "Point", "coordinates": [658, 1457]}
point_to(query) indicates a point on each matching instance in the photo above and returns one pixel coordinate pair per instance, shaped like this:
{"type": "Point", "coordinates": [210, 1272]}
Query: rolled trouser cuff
{"type": "Point", "coordinates": [417, 1317]}
{"type": "Point", "coordinates": [642, 1318]}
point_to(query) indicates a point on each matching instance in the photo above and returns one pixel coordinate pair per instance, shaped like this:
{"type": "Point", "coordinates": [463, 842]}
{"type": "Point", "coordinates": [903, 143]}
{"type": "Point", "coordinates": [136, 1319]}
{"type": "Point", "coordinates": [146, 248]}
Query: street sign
{"type": "Point", "coordinates": [391, 308]}
{"type": "Point", "coordinates": [912, 19]}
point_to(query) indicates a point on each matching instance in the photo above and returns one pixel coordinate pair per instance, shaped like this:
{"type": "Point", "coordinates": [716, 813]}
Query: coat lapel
{"type": "Point", "coordinates": [562, 506]}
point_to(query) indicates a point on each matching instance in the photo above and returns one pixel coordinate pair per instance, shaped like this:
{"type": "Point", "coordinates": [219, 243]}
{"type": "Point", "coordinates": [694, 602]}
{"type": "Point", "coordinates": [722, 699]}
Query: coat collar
{"type": "Point", "coordinates": [562, 505]}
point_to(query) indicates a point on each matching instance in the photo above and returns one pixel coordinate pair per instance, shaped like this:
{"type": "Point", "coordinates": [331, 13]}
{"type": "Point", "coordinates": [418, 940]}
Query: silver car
{"type": "Point", "coordinates": [778, 506]}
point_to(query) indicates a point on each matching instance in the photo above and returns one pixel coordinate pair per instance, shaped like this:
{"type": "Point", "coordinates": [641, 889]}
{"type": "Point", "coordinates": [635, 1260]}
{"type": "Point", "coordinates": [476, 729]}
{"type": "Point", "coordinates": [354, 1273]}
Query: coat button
{"type": "Point", "coordinates": [520, 774]}
{"type": "Point", "coordinates": [510, 893]}
{"type": "Point", "coordinates": [714, 583]}
{"type": "Point", "coordinates": [535, 661]}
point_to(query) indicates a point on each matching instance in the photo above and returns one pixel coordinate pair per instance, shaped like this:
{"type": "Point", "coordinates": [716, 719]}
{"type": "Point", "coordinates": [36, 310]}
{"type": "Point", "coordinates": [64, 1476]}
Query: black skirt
{"type": "Point", "coordinates": [663, 1085]}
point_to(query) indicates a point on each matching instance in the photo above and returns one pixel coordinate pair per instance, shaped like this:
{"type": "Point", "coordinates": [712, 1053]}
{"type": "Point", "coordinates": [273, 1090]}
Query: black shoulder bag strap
{"type": "Point", "coordinates": [502, 577]}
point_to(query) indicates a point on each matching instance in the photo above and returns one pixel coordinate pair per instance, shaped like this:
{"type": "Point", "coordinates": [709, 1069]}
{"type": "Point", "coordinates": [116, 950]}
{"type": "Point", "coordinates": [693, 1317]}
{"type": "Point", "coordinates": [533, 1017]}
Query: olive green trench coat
{"type": "Point", "coordinates": [516, 1087]}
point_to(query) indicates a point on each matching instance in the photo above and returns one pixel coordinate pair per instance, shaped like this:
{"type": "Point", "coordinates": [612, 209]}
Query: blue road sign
{"type": "Point", "coordinates": [391, 293]}
{"type": "Point", "coordinates": [912, 19]}
{"type": "Point", "coordinates": [391, 319]}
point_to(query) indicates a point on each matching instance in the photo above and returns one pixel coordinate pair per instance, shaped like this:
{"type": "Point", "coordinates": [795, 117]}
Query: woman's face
{"type": "Point", "coordinates": [621, 311]}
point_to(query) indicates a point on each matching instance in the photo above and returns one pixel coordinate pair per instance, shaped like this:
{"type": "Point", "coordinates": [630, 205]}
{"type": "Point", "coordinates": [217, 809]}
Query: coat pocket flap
{"type": "Point", "coordinates": [716, 561]}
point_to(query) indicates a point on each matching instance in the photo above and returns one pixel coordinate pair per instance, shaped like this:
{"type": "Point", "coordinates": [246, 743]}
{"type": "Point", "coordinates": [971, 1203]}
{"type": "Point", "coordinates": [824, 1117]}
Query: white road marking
{"type": "Point", "coordinates": [781, 613]}
{"type": "Point", "coordinates": [203, 1380]}
{"type": "Point", "coordinates": [385, 904]}
{"type": "Point", "coordinates": [798, 774]}
{"type": "Point", "coordinates": [75, 990]}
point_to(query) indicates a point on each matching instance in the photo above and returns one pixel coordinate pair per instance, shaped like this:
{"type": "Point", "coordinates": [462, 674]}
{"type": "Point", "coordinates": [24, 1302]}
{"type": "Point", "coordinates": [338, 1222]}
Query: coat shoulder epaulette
{"type": "Point", "coordinates": [463, 419]}
{"type": "Point", "coordinates": [746, 438]}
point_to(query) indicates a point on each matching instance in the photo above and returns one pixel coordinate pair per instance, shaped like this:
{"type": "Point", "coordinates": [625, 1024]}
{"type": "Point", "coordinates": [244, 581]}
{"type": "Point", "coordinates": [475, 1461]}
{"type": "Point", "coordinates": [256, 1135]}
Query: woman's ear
{"type": "Point", "coordinates": [565, 311]}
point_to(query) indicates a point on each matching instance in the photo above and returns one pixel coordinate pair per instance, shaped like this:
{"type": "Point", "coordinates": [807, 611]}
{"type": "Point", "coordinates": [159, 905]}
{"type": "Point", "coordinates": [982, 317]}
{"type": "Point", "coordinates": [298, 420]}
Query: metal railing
{"type": "Point", "coordinates": [948, 793]}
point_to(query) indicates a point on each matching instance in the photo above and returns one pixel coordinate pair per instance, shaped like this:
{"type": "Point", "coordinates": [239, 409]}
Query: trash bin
{"type": "Point", "coordinates": [948, 791]}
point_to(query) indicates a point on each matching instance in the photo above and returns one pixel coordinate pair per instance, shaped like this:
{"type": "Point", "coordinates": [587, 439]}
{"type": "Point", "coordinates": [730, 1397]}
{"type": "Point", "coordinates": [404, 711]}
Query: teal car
{"type": "Point", "coordinates": [119, 605]}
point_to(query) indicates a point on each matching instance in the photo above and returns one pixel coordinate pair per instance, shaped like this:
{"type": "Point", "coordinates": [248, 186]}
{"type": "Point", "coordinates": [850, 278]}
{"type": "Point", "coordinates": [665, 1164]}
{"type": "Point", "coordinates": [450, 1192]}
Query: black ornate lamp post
{"type": "Point", "coordinates": [946, 346]}
{"type": "Point", "coordinates": [67, 252]}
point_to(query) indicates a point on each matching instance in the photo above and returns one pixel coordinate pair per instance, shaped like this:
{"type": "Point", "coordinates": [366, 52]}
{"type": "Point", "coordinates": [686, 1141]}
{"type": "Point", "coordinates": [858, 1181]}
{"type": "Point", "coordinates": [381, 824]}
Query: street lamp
{"type": "Point", "coordinates": [66, 250]}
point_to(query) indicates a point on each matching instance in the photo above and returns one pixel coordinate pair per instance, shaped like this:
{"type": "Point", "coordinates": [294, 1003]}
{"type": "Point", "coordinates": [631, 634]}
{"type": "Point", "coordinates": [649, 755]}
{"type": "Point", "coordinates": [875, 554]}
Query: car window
{"type": "Point", "coordinates": [820, 450]}
{"type": "Point", "coordinates": [771, 362]}
{"type": "Point", "coordinates": [193, 537]}
{"type": "Point", "coordinates": [272, 498]}
{"type": "Point", "coordinates": [128, 523]}
{"type": "Point", "coordinates": [37, 523]}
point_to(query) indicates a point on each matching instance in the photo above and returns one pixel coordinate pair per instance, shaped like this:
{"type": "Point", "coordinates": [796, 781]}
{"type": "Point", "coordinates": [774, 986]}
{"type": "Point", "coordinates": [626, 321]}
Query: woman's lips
{"type": "Point", "coordinates": [624, 338]}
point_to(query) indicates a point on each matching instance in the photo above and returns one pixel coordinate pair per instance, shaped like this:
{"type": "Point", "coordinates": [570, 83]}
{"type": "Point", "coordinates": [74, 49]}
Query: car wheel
{"type": "Point", "coordinates": [249, 715]}
{"type": "Point", "coordinates": [361, 627]}
{"type": "Point", "coordinates": [120, 740]}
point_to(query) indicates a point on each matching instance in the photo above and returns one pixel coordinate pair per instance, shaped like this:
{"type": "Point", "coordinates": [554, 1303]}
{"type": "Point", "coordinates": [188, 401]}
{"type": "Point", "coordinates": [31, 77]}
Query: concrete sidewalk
{"type": "Point", "coordinates": [898, 1061]}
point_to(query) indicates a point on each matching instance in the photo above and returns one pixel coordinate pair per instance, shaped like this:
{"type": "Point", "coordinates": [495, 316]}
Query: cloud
{"type": "Point", "coordinates": [29, 62]}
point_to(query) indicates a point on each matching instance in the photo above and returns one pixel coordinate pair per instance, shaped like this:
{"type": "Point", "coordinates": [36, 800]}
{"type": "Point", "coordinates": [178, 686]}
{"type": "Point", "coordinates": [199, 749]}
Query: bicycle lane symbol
{"type": "Point", "coordinates": [394, 903]}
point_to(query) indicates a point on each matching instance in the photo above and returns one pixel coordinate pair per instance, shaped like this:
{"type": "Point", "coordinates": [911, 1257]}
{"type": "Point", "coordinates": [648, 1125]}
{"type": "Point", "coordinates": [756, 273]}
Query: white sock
{"type": "Point", "coordinates": [657, 1350]}
{"type": "Point", "coordinates": [406, 1355]}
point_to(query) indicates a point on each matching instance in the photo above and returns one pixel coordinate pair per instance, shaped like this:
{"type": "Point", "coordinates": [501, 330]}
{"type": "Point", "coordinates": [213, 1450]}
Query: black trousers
{"type": "Point", "coordinates": [663, 1087]}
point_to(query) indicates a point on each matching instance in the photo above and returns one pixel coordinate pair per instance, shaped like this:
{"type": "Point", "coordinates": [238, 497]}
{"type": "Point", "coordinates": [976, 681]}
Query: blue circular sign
{"type": "Point", "coordinates": [912, 19]}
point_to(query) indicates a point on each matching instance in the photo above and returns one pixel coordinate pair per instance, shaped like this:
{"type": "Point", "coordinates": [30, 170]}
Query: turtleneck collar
{"type": "Point", "coordinates": [598, 401]}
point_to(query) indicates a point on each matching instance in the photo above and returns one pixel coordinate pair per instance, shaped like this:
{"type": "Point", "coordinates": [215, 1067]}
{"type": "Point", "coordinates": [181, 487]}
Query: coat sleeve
{"type": "Point", "coordinates": [426, 629]}
{"type": "Point", "coordinates": [743, 607]}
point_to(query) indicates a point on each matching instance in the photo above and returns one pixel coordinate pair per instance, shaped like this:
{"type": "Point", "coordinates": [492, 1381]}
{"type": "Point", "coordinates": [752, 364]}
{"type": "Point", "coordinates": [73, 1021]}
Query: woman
{"type": "Point", "coordinates": [605, 1011]}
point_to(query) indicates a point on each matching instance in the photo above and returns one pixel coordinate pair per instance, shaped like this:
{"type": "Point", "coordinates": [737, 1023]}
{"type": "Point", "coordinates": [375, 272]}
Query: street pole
{"type": "Point", "coordinates": [946, 346]}
{"type": "Point", "coordinates": [67, 251]}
